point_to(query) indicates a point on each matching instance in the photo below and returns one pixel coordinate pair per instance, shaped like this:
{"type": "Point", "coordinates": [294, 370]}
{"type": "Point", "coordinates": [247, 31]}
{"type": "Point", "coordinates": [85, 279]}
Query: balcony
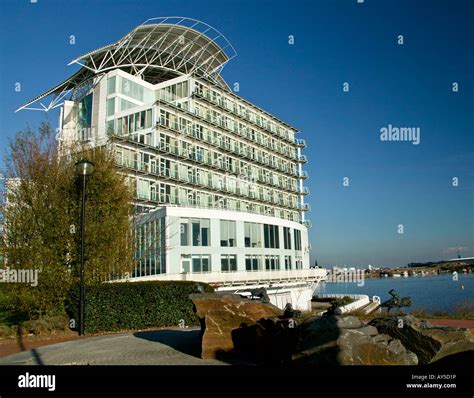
{"type": "Point", "coordinates": [301, 143]}
{"type": "Point", "coordinates": [175, 126]}
{"type": "Point", "coordinates": [303, 191]}
{"type": "Point", "coordinates": [240, 278]}
{"type": "Point", "coordinates": [304, 175]}
{"type": "Point", "coordinates": [243, 116]}
{"type": "Point", "coordinates": [304, 207]}
{"type": "Point", "coordinates": [302, 159]}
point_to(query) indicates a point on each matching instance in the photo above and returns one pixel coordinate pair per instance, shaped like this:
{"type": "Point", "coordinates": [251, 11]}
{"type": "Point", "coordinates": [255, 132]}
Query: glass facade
{"type": "Point", "coordinates": [134, 122]}
{"type": "Point", "coordinates": [174, 92]}
{"type": "Point", "coordinates": [86, 111]}
{"type": "Point", "coordinates": [195, 233]}
{"type": "Point", "coordinates": [150, 248]}
{"type": "Point", "coordinates": [134, 90]}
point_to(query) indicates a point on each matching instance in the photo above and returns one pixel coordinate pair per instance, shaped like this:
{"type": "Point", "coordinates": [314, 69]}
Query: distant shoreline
{"type": "Point", "coordinates": [418, 269]}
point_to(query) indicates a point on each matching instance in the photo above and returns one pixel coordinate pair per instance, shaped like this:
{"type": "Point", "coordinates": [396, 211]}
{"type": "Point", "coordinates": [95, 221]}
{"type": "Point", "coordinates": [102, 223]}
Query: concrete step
{"type": "Point", "coordinates": [372, 306]}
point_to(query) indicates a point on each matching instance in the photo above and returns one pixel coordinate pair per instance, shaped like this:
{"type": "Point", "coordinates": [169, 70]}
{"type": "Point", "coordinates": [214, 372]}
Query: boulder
{"type": "Point", "coordinates": [222, 313]}
{"type": "Point", "coordinates": [430, 343]}
{"type": "Point", "coordinates": [271, 341]}
{"type": "Point", "coordinates": [345, 340]}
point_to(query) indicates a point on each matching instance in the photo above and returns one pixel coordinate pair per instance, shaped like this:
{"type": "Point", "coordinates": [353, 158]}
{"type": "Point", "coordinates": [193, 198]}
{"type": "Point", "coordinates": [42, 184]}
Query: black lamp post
{"type": "Point", "coordinates": [84, 168]}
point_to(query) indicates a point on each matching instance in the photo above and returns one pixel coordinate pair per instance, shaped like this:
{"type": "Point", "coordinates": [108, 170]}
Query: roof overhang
{"type": "Point", "coordinates": [156, 51]}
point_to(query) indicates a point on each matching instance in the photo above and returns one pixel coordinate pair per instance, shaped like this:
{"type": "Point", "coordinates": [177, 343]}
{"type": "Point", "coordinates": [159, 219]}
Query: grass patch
{"type": "Point", "coordinates": [462, 310]}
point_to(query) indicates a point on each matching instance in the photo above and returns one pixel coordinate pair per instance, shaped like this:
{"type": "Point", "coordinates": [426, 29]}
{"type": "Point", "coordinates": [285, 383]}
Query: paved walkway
{"type": "Point", "coordinates": [456, 323]}
{"type": "Point", "coordinates": [156, 347]}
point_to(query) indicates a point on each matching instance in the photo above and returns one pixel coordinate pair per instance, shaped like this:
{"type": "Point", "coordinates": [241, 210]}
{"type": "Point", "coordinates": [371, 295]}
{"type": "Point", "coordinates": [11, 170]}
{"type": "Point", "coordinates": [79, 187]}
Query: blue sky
{"type": "Point", "coordinates": [335, 41]}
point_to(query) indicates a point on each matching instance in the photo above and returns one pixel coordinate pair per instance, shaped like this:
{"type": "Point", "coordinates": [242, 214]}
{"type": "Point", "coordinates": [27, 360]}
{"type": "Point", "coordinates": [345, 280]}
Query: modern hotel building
{"type": "Point", "coordinates": [218, 181]}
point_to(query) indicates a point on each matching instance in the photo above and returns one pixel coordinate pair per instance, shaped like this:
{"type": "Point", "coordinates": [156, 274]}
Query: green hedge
{"type": "Point", "coordinates": [136, 305]}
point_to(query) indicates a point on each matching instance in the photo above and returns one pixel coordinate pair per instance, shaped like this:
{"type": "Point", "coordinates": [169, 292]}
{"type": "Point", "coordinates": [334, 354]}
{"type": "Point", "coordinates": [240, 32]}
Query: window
{"type": "Point", "coordinates": [271, 236]}
{"type": "Point", "coordinates": [124, 105]}
{"type": "Point", "coordinates": [164, 118]}
{"type": "Point", "coordinates": [272, 263]}
{"type": "Point", "coordinates": [184, 230]}
{"type": "Point", "coordinates": [174, 92]}
{"type": "Point", "coordinates": [110, 106]}
{"type": "Point", "coordinates": [286, 238]}
{"type": "Point", "coordinates": [299, 263]}
{"type": "Point", "coordinates": [111, 85]}
{"type": "Point", "coordinates": [134, 90]}
{"type": "Point", "coordinates": [109, 127]}
{"type": "Point", "coordinates": [135, 122]}
{"type": "Point", "coordinates": [194, 232]}
{"type": "Point", "coordinates": [199, 263]}
{"type": "Point", "coordinates": [252, 263]}
{"type": "Point", "coordinates": [205, 232]}
{"type": "Point", "coordinates": [287, 262]}
{"type": "Point", "coordinates": [143, 189]}
{"type": "Point", "coordinates": [229, 263]}
{"type": "Point", "coordinates": [252, 234]}
{"type": "Point", "coordinates": [297, 234]}
{"type": "Point", "coordinates": [199, 154]}
{"type": "Point", "coordinates": [149, 120]}
{"type": "Point", "coordinates": [227, 233]}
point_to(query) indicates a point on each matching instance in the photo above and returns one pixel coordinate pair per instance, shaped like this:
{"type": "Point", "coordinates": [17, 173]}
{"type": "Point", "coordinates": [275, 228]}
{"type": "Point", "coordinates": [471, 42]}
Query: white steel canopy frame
{"type": "Point", "coordinates": [157, 50]}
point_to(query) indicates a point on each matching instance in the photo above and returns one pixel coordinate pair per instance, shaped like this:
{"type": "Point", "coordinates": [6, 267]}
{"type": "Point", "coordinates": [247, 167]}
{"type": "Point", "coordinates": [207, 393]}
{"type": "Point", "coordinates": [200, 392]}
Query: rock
{"type": "Point", "coordinates": [430, 343]}
{"type": "Point", "coordinates": [368, 330]}
{"type": "Point", "coordinates": [318, 305]}
{"type": "Point", "coordinates": [276, 341]}
{"type": "Point", "coordinates": [345, 340]}
{"type": "Point", "coordinates": [348, 322]}
{"type": "Point", "coordinates": [222, 313]}
{"type": "Point", "coordinates": [290, 312]}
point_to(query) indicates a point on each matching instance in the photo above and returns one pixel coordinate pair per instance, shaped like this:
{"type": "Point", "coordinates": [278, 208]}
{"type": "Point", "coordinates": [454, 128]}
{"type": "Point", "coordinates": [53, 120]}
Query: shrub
{"type": "Point", "coordinates": [58, 322]}
{"type": "Point", "coordinates": [465, 309]}
{"type": "Point", "coordinates": [6, 331]}
{"type": "Point", "coordinates": [44, 325]}
{"type": "Point", "coordinates": [136, 305]}
{"type": "Point", "coordinates": [37, 326]}
{"type": "Point", "coordinates": [339, 302]}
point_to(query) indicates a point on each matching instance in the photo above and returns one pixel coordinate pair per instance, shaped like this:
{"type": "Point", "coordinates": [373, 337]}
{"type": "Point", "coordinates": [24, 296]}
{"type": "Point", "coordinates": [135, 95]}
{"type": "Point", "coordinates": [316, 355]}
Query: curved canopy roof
{"type": "Point", "coordinates": [157, 50]}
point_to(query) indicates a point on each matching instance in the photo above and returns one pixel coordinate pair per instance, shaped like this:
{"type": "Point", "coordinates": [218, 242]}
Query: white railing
{"type": "Point", "coordinates": [340, 295]}
{"type": "Point", "coordinates": [240, 277]}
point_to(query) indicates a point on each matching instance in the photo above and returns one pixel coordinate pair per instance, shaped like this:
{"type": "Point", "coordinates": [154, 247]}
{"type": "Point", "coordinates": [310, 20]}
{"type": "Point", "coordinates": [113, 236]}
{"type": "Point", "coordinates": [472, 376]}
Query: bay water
{"type": "Point", "coordinates": [432, 293]}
